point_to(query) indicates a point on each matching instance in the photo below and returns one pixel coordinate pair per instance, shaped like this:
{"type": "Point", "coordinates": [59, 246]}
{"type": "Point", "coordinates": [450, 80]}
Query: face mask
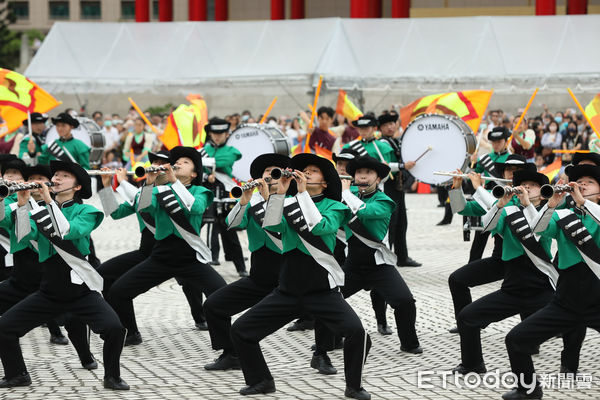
{"type": "Point", "coordinates": [558, 119]}
{"type": "Point", "coordinates": [572, 129]}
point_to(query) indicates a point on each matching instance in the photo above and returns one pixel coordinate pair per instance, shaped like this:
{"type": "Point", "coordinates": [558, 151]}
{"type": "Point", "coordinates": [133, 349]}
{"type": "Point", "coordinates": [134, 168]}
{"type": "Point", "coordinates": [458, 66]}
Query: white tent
{"type": "Point", "coordinates": [388, 60]}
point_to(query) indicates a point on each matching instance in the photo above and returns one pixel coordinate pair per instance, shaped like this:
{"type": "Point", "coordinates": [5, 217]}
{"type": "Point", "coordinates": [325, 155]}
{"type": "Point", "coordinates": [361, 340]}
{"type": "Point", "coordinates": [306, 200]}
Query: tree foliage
{"type": "Point", "coordinates": [9, 40]}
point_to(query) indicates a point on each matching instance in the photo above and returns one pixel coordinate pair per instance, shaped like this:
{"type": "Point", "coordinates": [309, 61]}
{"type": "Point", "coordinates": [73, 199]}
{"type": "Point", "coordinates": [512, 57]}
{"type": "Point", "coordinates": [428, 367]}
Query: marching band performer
{"type": "Point", "coordinates": [265, 248]}
{"type": "Point", "coordinates": [31, 146]}
{"type": "Point", "coordinates": [310, 276]}
{"type": "Point", "coordinates": [577, 298]}
{"type": "Point", "coordinates": [66, 147]}
{"type": "Point", "coordinates": [27, 272]}
{"type": "Point", "coordinates": [69, 283]}
{"type": "Point", "coordinates": [176, 209]}
{"type": "Point", "coordinates": [12, 170]}
{"type": "Point", "coordinates": [225, 156]}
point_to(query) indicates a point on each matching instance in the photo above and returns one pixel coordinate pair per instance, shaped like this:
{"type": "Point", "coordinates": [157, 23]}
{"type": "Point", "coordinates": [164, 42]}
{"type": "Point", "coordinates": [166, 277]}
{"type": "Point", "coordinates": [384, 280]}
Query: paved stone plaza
{"type": "Point", "coordinates": [169, 364]}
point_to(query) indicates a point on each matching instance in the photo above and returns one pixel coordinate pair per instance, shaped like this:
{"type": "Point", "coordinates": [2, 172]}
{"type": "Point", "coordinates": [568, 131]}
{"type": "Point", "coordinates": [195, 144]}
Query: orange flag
{"type": "Point", "coordinates": [200, 110]}
{"type": "Point", "coordinates": [592, 110]}
{"type": "Point", "coordinates": [346, 108]}
{"type": "Point", "coordinates": [18, 95]}
{"type": "Point", "coordinates": [552, 169]}
{"type": "Point", "coordinates": [468, 105]}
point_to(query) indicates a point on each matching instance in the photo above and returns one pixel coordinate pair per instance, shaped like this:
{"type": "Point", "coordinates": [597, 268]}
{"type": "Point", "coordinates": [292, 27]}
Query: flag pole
{"type": "Point", "coordinates": [523, 114]}
{"type": "Point", "coordinates": [29, 124]}
{"type": "Point", "coordinates": [583, 112]}
{"type": "Point", "coordinates": [266, 114]}
{"type": "Point", "coordinates": [143, 116]}
{"type": "Point", "coordinates": [313, 114]}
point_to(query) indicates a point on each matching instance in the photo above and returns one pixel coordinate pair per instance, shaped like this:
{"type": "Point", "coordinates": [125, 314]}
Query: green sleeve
{"type": "Point", "coordinates": [245, 219]}
{"type": "Point", "coordinates": [7, 222]}
{"type": "Point", "coordinates": [551, 230]}
{"type": "Point", "coordinates": [473, 209]}
{"type": "Point", "coordinates": [377, 210]}
{"type": "Point", "coordinates": [44, 157]}
{"type": "Point", "coordinates": [23, 147]}
{"type": "Point", "coordinates": [83, 224]}
{"type": "Point", "coordinates": [83, 157]}
{"type": "Point", "coordinates": [479, 168]}
{"type": "Point", "coordinates": [125, 209]}
{"type": "Point", "coordinates": [203, 200]}
{"type": "Point", "coordinates": [332, 220]}
{"type": "Point", "coordinates": [226, 157]}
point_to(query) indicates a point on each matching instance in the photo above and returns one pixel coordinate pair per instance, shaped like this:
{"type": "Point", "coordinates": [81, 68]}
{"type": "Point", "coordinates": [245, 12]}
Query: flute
{"type": "Point", "coordinates": [6, 190]}
{"type": "Point", "coordinates": [97, 172]}
{"type": "Point", "coordinates": [501, 191]}
{"type": "Point", "coordinates": [277, 173]}
{"type": "Point", "coordinates": [455, 175]}
{"type": "Point", "coordinates": [238, 191]}
{"type": "Point", "coordinates": [141, 171]}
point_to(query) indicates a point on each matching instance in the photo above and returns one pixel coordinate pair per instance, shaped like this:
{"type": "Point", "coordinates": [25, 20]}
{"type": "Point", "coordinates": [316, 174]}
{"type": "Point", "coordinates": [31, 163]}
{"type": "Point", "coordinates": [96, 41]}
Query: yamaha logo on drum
{"type": "Point", "coordinates": [434, 127]}
{"type": "Point", "coordinates": [246, 134]}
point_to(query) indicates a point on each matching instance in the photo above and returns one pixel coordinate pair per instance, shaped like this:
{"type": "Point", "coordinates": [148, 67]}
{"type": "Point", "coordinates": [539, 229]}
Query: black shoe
{"type": "Point", "coordinates": [567, 370]}
{"type": "Point", "coordinates": [21, 380]}
{"type": "Point", "coordinates": [360, 394]}
{"type": "Point", "coordinates": [384, 329]}
{"type": "Point", "coordinates": [516, 394]}
{"type": "Point", "coordinates": [202, 326]}
{"type": "Point", "coordinates": [322, 363]}
{"type": "Point", "coordinates": [462, 370]}
{"type": "Point", "coordinates": [536, 350]}
{"type": "Point", "coordinates": [444, 222]}
{"type": "Point", "coordinates": [453, 330]}
{"type": "Point", "coordinates": [115, 383]}
{"type": "Point", "coordinates": [90, 365]}
{"type": "Point", "coordinates": [225, 362]}
{"type": "Point", "coordinates": [409, 262]}
{"type": "Point", "coordinates": [134, 339]}
{"type": "Point", "coordinates": [56, 339]}
{"type": "Point", "coordinates": [213, 263]}
{"type": "Point", "coordinates": [414, 350]}
{"type": "Point", "coordinates": [299, 325]}
{"type": "Point", "coordinates": [243, 273]}
{"type": "Point", "coordinates": [263, 387]}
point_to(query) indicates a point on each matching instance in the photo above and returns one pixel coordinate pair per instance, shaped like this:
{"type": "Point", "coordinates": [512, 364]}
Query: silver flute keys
{"type": "Point", "coordinates": [548, 191]}
{"type": "Point", "coordinates": [7, 190]}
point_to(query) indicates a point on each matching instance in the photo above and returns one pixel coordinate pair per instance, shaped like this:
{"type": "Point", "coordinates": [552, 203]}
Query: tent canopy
{"type": "Point", "coordinates": [365, 54]}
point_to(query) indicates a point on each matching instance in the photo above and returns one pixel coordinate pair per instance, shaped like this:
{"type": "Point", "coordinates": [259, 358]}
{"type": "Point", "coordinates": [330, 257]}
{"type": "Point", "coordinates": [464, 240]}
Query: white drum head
{"type": "Point", "coordinates": [448, 143]}
{"type": "Point", "coordinates": [251, 141]}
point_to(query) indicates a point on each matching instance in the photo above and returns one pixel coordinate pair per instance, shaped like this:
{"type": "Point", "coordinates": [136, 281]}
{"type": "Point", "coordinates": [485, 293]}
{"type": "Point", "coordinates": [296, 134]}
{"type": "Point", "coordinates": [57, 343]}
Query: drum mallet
{"type": "Point", "coordinates": [429, 148]}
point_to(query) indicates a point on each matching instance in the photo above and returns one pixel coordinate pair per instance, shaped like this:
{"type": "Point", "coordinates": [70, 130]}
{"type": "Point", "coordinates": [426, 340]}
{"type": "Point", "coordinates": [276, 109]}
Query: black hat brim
{"type": "Point", "coordinates": [527, 166]}
{"type": "Point", "coordinates": [591, 156]}
{"type": "Point", "coordinates": [334, 185]}
{"type": "Point", "coordinates": [69, 120]}
{"type": "Point", "coordinates": [385, 118]}
{"type": "Point", "coordinates": [370, 163]}
{"type": "Point", "coordinates": [523, 175]}
{"type": "Point", "coordinates": [14, 163]}
{"type": "Point", "coordinates": [39, 169]}
{"type": "Point", "coordinates": [262, 162]}
{"type": "Point", "coordinates": [81, 175]}
{"type": "Point", "coordinates": [577, 171]}
{"type": "Point", "coordinates": [158, 157]}
{"type": "Point", "coordinates": [191, 153]}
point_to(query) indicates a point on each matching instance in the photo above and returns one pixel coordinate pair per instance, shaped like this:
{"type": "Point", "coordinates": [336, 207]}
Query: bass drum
{"type": "Point", "coordinates": [89, 133]}
{"type": "Point", "coordinates": [252, 140]}
{"type": "Point", "coordinates": [451, 141]}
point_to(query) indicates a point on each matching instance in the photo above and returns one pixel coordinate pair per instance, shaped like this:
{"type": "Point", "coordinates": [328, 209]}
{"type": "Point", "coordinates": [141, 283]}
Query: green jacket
{"type": "Point", "coordinates": [203, 198]}
{"type": "Point", "coordinates": [499, 158]}
{"type": "Point", "coordinates": [568, 253]}
{"type": "Point", "coordinates": [23, 147]}
{"type": "Point", "coordinates": [125, 210]}
{"type": "Point", "coordinates": [257, 237]}
{"type": "Point", "coordinates": [374, 215]}
{"type": "Point", "coordinates": [8, 223]}
{"type": "Point", "coordinates": [83, 219]}
{"type": "Point", "coordinates": [79, 150]}
{"type": "Point", "coordinates": [386, 150]}
{"type": "Point", "coordinates": [334, 215]}
{"type": "Point", "coordinates": [224, 157]}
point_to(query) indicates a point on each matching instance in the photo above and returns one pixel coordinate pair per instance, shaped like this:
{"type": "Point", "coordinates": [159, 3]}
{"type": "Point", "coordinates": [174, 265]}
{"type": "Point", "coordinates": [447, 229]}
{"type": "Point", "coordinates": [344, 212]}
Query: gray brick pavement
{"type": "Point", "coordinates": [168, 365]}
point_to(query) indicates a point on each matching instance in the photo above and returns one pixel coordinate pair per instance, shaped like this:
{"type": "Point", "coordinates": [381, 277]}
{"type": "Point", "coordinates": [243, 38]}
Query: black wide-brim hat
{"type": "Point", "coordinates": [334, 185]}
{"type": "Point", "coordinates": [81, 175]}
{"type": "Point", "coordinates": [577, 171]}
{"type": "Point", "coordinates": [498, 133]}
{"type": "Point", "coordinates": [14, 163]}
{"type": "Point", "coordinates": [346, 154]}
{"type": "Point", "coordinates": [184, 151]}
{"type": "Point", "coordinates": [579, 157]}
{"type": "Point", "coordinates": [67, 119]}
{"type": "Point", "coordinates": [370, 163]}
{"type": "Point", "coordinates": [365, 121]}
{"type": "Point", "coordinates": [385, 118]}
{"type": "Point", "coordinates": [523, 175]}
{"type": "Point", "coordinates": [262, 162]}
{"type": "Point", "coordinates": [217, 125]}
{"type": "Point", "coordinates": [36, 117]}
{"type": "Point", "coordinates": [162, 155]}
{"type": "Point", "coordinates": [7, 157]}
{"type": "Point", "coordinates": [515, 160]}
{"type": "Point", "coordinates": [39, 169]}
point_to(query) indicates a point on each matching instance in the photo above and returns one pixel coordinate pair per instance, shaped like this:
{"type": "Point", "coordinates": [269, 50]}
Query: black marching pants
{"type": "Point", "coordinates": [398, 221]}
{"type": "Point", "coordinates": [11, 294]}
{"type": "Point", "coordinates": [480, 239]}
{"type": "Point", "coordinates": [575, 306]}
{"type": "Point", "coordinates": [231, 244]}
{"type": "Point", "coordinates": [171, 257]}
{"type": "Point", "coordinates": [90, 308]}
{"type": "Point", "coordinates": [279, 308]}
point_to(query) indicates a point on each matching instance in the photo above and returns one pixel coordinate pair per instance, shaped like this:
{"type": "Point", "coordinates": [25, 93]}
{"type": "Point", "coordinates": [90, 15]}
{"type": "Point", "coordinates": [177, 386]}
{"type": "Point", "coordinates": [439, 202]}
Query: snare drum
{"type": "Point", "coordinates": [252, 140]}
{"type": "Point", "coordinates": [451, 140]}
{"type": "Point", "coordinates": [90, 133]}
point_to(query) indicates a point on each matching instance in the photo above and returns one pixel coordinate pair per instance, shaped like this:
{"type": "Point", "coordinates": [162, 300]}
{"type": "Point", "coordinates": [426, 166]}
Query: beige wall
{"type": "Point", "coordinates": [260, 10]}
